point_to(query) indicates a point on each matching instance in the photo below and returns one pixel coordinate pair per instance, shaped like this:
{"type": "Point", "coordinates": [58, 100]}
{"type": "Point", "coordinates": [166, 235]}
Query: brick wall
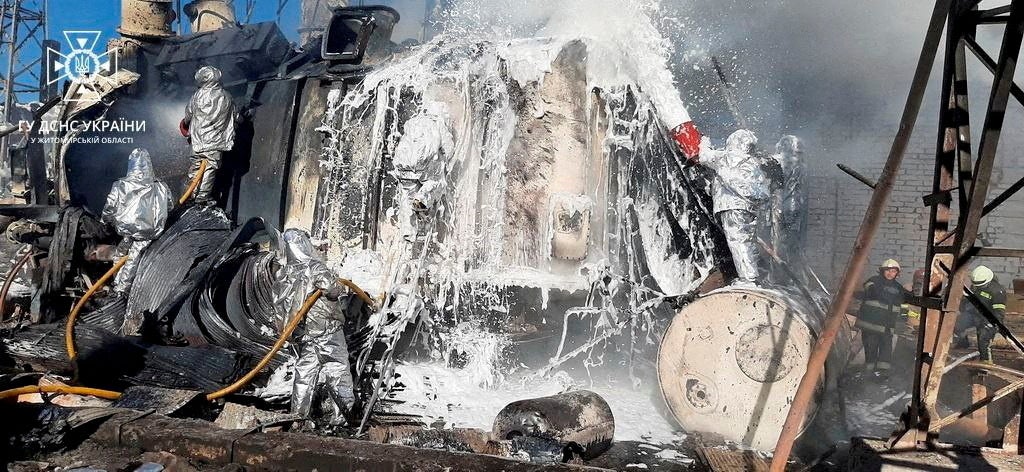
{"type": "Point", "coordinates": [838, 202]}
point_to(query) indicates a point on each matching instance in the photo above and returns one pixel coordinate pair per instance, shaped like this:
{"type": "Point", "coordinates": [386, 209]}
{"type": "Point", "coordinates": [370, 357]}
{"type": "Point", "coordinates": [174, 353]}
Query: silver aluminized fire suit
{"type": "Point", "coordinates": [321, 373]}
{"type": "Point", "coordinates": [210, 117]}
{"type": "Point", "coordinates": [789, 212]}
{"type": "Point", "coordinates": [740, 193]}
{"type": "Point", "coordinates": [137, 208]}
{"type": "Point", "coordinates": [419, 163]}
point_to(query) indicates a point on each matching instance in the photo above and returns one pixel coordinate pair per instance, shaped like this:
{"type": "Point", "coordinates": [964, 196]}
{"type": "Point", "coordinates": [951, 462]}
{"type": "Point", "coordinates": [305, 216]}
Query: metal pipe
{"type": "Point", "coordinates": [730, 99]}
{"type": "Point", "coordinates": [857, 175]}
{"type": "Point", "coordinates": [948, 420]}
{"type": "Point", "coordinates": [1003, 196]}
{"type": "Point", "coordinates": [862, 247]}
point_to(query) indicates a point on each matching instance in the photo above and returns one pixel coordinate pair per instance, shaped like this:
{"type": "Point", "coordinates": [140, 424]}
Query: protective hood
{"type": "Point", "coordinates": [140, 167]}
{"type": "Point", "coordinates": [741, 141]}
{"type": "Point", "coordinates": [789, 146]}
{"type": "Point", "coordinates": [208, 77]}
{"type": "Point", "coordinates": [298, 247]}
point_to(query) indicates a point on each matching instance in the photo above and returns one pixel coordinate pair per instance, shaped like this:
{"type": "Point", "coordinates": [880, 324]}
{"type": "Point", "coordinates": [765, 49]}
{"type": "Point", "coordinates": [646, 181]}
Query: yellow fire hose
{"type": "Point", "coordinates": [194, 183]}
{"type": "Point", "coordinates": [69, 330]}
{"type": "Point", "coordinates": [288, 330]}
{"type": "Point", "coordinates": [242, 382]}
{"type": "Point", "coordinates": [234, 387]}
{"type": "Point", "coordinates": [10, 279]}
{"type": "Point", "coordinates": [59, 390]}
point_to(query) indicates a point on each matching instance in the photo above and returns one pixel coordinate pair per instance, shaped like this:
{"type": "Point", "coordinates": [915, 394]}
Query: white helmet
{"type": "Point", "coordinates": [890, 264]}
{"type": "Point", "coordinates": [981, 275]}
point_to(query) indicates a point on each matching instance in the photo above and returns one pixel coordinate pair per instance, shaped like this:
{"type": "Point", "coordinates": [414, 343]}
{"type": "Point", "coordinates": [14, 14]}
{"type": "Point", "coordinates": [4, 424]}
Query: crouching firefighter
{"type": "Point", "coordinates": [321, 379]}
{"type": "Point", "coordinates": [136, 207]}
{"type": "Point", "coordinates": [209, 124]}
{"type": "Point", "coordinates": [880, 308]}
{"type": "Point", "coordinates": [991, 296]}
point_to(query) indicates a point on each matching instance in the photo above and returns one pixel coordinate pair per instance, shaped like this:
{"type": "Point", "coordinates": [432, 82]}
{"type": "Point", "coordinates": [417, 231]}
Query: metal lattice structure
{"type": "Point", "coordinates": [960, 174]}
{"type": "Point", "coordinates": [23, 36]}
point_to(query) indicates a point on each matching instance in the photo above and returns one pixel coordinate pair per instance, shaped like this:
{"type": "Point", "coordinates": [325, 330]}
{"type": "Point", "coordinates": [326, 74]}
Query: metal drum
{"type": "Point", "coordinates": [730, 363]}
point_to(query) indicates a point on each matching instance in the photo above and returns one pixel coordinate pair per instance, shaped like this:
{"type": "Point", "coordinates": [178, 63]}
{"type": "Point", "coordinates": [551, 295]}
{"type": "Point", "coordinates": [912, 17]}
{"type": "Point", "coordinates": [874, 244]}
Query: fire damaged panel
{"type": "Point", "coordinates": [243, 53]}
{"type": "Point", "coordinates": [303, 184]}
{"type": "Point", "coordinates": [260, 182]}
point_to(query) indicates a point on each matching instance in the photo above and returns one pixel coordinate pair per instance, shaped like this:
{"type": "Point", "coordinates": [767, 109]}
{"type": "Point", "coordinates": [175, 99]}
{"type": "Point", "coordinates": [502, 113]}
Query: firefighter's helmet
{"type": "Point", "coordinates": [890, 264]}
{"type": "Point", "coordinates": [981, 275]}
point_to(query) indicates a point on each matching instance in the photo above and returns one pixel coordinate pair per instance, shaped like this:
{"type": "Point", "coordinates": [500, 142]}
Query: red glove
{"type": "Point", "coordinates": [687, 137]}
{"type": "Point", "coordinates": [183, 127]}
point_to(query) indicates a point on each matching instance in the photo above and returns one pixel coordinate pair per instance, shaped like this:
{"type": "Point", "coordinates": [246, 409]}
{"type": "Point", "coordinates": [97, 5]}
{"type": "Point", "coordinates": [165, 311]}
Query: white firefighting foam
{"type": "Point", "coordinates": [442, 394]}
{"type": "Point", "coordinates": [463, 241]}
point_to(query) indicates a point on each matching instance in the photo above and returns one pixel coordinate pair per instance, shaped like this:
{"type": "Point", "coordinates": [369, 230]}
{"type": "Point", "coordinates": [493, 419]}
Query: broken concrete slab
{"type": "Point", "coordinates": [237, 416]}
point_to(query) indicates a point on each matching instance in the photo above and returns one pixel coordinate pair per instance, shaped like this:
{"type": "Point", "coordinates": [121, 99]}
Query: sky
{"type": "Point", "coordinates": [105, 15]}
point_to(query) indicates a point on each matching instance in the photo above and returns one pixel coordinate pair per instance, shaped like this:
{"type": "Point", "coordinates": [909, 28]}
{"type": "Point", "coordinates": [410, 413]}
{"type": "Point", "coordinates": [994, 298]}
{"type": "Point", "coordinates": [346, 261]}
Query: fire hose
{"type": "Point", "coordinates": [59, 390]}
{"type": "Point", "coordinates": [69, 330]}
{"type": "Point", "coordinates": [234, 387]}
{"type": "Point", "coordinates": [10, 279]}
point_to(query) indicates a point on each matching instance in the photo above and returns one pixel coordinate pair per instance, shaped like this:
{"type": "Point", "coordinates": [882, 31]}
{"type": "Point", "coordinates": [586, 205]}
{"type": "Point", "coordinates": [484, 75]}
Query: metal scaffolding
{"type": "Point", "coordinates": [959, 173]}
{"type": "Point", "coordinates": [23, 42]}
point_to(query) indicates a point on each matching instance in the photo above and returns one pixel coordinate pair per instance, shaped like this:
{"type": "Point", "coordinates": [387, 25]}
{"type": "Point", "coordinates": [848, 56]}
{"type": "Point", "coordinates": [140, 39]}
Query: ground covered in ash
{"type": "Point", "coordinates": [92, 457]}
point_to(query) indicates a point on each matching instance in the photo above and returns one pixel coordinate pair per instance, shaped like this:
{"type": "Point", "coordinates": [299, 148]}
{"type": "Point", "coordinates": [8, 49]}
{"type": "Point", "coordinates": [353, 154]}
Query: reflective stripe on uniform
{"type": "Point", "coordinates": [985, 294]}
{"type": "Point", "coordinates": [884, 306]}
{"type": "Point", "coordinates": [998, 306]}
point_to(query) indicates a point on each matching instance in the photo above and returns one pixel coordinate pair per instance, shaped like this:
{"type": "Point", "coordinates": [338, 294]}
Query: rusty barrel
{"type": "Point", "coordinates": [580, 421]}
{"type": "Point", "coordinates": [730, 362]}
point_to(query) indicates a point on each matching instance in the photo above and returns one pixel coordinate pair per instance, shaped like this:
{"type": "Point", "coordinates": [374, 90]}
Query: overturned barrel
{"type": "Point", "coordinates": [581, 422]}
{"type": "Point", "coordinates": [730, 362]}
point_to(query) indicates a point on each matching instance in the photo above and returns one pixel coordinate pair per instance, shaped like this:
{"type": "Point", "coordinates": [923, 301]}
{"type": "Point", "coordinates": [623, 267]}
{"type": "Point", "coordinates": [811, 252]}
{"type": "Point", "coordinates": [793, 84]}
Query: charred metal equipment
{"type": "Point", "coordinates": [952, 245]}
{"type": "Point", "coordinates": [210, 15]}
{"type": "Point", "coordinates": [147, 19]}
{"type": "Point", "coordinates": [580, 422]}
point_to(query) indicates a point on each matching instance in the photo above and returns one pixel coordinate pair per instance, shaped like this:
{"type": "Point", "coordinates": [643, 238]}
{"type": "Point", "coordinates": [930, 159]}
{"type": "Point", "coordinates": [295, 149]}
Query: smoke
{"type": "Point", "coordinates": [797, 65]}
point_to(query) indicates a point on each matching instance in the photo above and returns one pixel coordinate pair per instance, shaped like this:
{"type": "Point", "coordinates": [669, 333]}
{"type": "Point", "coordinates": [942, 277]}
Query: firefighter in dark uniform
{"type": "Point", "coordinates": [880, 309]}
{"type": "Point", "coordinates": [992, 295]}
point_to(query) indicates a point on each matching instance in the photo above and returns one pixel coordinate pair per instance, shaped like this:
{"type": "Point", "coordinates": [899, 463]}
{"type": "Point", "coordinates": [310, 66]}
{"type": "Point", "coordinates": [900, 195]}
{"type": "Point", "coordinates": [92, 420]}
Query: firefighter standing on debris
{"type": "Point", "coordinates": [321, 373]}
{"type": "Point", "coordinates": [880, 308]}
{"type": "Point", "coordinates": [992, 296]}
{"type": "Point", "coordinates": [209, 123]}
{"type": "Point", "coordinates": [789, 215]}
{"type": "Point", "coordinates": [136, 207]}
{"type": "Point", "coordinates": [740, 190]}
